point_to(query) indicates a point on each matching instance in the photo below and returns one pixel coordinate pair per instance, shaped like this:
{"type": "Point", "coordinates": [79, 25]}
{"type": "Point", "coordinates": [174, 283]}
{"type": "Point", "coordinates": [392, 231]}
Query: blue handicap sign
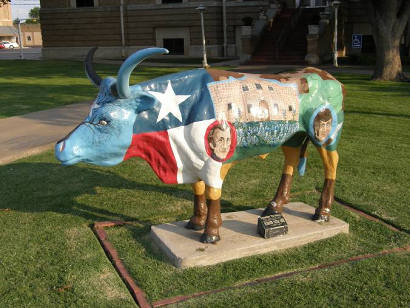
{"type": "Point", "coordinates": [356, 41]}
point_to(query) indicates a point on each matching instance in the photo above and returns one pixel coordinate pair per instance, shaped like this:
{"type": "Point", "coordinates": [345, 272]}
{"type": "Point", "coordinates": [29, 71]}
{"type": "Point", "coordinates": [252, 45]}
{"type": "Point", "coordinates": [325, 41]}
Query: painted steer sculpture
{"type": "Point", "coordinates": [192, 126]}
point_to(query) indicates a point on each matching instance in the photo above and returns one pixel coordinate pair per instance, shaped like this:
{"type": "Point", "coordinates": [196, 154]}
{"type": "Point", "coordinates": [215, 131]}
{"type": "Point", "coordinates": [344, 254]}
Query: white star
{"type": "Point", "coordinates": [169, 102]}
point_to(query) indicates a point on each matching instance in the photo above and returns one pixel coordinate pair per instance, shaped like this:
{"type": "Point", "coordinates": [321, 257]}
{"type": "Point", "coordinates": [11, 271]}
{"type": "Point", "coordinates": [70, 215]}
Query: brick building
{"type": "Point", "coordinates": [71, 27]}
{"type": "Point", "coordinates": [7, 31]}
{"type": "Point", "coordinates": [269, 31]}
{"type": "Point", "coordinates": [31, 35]}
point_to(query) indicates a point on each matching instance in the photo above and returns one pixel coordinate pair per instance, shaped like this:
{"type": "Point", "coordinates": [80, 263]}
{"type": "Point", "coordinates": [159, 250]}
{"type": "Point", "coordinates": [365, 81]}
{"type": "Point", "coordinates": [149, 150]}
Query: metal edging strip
{"type": "Point", "coordinates": [140, 297]}
{"type": "Point", "coordinates": [136, 292]}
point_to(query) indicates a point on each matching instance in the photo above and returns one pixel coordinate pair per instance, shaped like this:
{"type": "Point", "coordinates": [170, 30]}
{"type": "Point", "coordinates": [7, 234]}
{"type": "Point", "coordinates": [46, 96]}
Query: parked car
{"type": "Point", "coordinates": [2, 45]}
{"type": "Point", "coordinates": [8, 44]}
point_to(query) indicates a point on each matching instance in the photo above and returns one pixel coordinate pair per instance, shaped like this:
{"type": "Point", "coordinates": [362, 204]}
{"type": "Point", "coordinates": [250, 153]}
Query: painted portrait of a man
{"type": "Point", "coordinates": [219, 140]}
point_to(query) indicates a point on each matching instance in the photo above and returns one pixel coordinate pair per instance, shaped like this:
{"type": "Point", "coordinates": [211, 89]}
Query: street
{"type": "Point", "coordinates": [30, 53]}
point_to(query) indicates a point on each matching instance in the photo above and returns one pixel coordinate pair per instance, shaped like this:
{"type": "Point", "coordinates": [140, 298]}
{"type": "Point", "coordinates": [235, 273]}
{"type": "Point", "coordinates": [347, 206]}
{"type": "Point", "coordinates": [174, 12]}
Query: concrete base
{"type": "Point", "coordinates": [239, 237]}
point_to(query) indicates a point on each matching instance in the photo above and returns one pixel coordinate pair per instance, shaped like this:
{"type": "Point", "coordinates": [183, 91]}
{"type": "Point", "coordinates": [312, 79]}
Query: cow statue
{"type": "Point", "coordinates": [193, 126]}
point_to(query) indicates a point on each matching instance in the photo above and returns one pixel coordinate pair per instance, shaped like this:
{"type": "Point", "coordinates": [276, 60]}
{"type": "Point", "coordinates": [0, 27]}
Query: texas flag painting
{"type": "Point", "coordinates": [170, 133]}
{"type": "Point", "coordinates": [192, 124]}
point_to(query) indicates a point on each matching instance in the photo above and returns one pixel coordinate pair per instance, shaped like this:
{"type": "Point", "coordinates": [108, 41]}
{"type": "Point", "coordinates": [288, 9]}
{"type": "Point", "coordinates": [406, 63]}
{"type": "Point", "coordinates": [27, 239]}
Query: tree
{"type": "Point", "coordinates": [388, 20]}
{"type": "Point", "coordinates": [34, 16]}
{"type": "Point", "coordinates": [34, 13]}
{"type": "Point", "coordinates": [4, 2]}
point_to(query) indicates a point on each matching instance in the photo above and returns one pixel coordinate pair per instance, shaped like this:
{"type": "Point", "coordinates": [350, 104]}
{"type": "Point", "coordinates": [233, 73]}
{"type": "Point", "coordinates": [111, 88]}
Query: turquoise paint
{"type": "Point", "coordinates": [256, 138]}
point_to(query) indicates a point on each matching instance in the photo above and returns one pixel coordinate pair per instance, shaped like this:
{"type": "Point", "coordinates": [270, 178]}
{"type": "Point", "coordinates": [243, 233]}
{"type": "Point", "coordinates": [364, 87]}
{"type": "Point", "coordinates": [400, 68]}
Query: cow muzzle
{"type": "Point", "coordinates": [65, 151]}
{"type": "Point", "coordinates": [60, 145]}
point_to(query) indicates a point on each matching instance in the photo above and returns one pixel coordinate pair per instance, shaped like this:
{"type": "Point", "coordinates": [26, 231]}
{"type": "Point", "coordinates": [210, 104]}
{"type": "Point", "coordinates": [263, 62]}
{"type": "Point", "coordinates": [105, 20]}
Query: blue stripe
{"type": "Point", "coordinates": [196, 108]}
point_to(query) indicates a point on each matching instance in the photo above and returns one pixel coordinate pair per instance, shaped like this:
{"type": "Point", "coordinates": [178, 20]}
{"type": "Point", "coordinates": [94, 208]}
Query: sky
{"type": "Point", "coordinates": [20, 8]}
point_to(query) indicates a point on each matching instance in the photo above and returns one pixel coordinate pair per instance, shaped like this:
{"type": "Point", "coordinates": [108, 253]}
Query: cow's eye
{"type": "Point", "coordinates": [103, 122]}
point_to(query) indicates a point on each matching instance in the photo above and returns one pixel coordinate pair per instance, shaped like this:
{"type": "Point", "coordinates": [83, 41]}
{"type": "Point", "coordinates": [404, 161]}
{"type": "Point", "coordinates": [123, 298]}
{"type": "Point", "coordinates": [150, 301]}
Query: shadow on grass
{"type": "Point", "coordinates": [42, 187]}
{"type": "Point", "coordinates": [383, 114]}
{"type": "Point", "coordinates": [80, 194]}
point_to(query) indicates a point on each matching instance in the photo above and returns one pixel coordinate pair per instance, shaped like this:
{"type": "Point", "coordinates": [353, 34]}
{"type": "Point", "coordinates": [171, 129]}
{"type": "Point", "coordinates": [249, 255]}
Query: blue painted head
{"type": "Point", "coordinates": [105, 135]}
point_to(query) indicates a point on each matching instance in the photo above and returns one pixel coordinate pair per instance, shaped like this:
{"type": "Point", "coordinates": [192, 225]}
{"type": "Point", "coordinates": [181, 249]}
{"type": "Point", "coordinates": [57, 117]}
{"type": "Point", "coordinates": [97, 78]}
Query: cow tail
{"type": "Point", "coordinates": [303, 157]}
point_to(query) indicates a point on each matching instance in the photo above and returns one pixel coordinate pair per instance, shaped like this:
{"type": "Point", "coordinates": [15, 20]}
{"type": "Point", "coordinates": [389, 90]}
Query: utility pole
{"type": "Point", "coordinates": [224, 25]}
{"type": "Point", "coordinates": [201, 10]}
{"type": "Point", "coordinates": [122, 29]}
{"type": "Point", "coordinates": [20, 41]}
{"type": "Point", "coordinates": [336, 6]}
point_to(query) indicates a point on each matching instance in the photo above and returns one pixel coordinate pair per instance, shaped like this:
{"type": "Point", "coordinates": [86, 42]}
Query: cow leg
{"type": "Point", "coordinates": [281, 198]}
{"type": "Point", "coordinates": [214, 219]}
{"type": "Point", "coordinates": [330, 160]}
{"type": "Point", "coordinates": [197, 221]}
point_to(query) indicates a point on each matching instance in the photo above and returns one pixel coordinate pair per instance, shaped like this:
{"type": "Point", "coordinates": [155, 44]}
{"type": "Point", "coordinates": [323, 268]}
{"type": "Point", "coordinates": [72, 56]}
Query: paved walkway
{"type": "Point", "coordinates": [28, 53]}
{"type": "Point", "coordinates": [35, 132]}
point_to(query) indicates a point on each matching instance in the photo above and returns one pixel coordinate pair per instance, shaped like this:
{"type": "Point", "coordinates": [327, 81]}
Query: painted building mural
{"type": "Point", "coordinates": [264, 112]}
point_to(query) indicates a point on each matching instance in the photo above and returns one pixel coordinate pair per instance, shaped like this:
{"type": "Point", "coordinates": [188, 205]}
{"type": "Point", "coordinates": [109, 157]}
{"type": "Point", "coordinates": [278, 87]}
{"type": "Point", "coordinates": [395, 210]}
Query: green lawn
{"type": "Point", "coordinates": [28, 86]}
{"type": "Point", "coordinates": [51, 258]}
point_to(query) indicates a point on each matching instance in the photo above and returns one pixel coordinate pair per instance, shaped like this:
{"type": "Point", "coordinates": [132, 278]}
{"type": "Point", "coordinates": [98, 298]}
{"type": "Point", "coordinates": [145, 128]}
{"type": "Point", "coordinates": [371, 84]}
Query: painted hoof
{"type": "Point", "coordinates": [272, 209]}
{"type": "Point", "coordinates": [192, 226]}
{"type": "Point", "coordinates": [321, 215]}
{"type": "Point", "coordinates": [206, 238]}
{"type": "Point", "coordinates": [321, 218]}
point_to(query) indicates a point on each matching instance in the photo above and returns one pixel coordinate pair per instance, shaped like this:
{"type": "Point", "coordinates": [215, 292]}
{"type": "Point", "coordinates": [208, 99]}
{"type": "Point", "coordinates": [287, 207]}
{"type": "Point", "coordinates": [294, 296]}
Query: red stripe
{"type": "Point", "coordinates": [156, 150]}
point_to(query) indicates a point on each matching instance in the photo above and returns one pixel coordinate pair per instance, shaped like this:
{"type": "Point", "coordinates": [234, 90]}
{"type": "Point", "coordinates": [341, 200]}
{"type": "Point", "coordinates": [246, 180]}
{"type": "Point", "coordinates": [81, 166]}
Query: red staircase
{"type": "Point", "coordinates": [293, 48]}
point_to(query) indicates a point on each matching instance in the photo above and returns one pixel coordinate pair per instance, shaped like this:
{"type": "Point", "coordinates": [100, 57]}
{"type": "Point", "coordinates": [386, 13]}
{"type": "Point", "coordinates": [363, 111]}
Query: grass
{"type": "Point", "coordinates": [50, 257]}
{"type": "Point", "coordinates": [380, 285]}
{"type": "Point", "coordinates": [28, 86]}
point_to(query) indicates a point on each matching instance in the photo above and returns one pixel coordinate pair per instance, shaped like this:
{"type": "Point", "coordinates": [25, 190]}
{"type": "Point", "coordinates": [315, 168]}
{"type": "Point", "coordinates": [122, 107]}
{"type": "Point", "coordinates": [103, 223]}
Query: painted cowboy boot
{"type": "Point", "coordinates": [322, 213]}
{"type": "Point", "coordinates": [275, 206]}
{"type": "Point", "coordinates": [197, 221]}
{"type": "Point", "coordinates": [213, 222]}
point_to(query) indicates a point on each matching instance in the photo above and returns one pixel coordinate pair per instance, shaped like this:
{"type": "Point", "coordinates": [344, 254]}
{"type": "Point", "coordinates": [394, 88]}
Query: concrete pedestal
{"type": "Point", "coordinates": [239, 237]}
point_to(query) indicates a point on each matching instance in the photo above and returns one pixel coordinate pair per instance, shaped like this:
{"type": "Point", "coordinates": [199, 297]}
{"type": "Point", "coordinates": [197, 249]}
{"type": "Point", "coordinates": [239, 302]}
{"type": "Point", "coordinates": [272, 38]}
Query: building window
{"type": "Point", "coordinates": [171, 1]}
{"type": "Point", "coordinates": [290, 107]}
{"type": "Point", "coordinates": [245, 88]}
{"type": "Point", "coordinates": [270, 88]}
{"type": "Point", "coordinates": [314, 3]}
{"type": "Point", "coordinates": [28, 38]}
{"type": "Point", "coordinates": [275, 109]}
{"type": "Point", "coordinates": [174, 45]}
{"type": "Point", "coordinates": [84, 3]}
{"type": "Point", "coordinates": [258, 86]}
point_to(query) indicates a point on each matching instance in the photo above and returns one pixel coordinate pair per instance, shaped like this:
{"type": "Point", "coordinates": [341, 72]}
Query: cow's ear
{"type": "Point", "coordinates": [144, 101]}
{"type": "Point", "coordinates": [113, 90]}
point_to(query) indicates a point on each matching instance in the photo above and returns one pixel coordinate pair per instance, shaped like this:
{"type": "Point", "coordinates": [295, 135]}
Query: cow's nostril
{"type": "Point", "coordinates": [62, 146]}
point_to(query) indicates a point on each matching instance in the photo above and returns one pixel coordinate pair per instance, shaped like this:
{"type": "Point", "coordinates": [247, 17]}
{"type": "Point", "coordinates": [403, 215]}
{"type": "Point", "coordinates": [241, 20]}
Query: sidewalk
{"type": "Point", "coordinates": [32, 133]}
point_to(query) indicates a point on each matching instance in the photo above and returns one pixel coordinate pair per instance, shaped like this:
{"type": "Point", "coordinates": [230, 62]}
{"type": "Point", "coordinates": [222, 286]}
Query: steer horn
{"type": "Point", "coordinates": [123, 80]}
{"type": "Point", "coordinates": [89, 70]}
